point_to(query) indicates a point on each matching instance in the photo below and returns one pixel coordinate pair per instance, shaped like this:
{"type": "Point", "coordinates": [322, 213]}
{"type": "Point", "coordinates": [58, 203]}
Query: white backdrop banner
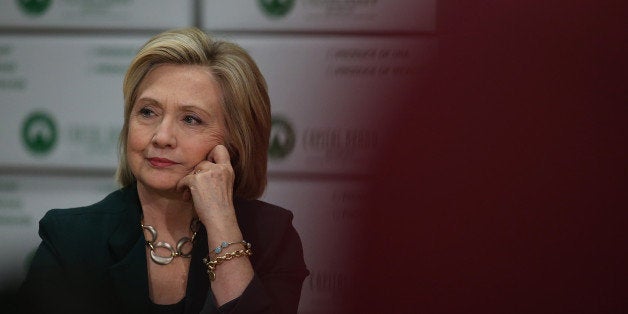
{"type": "Point", "coordinates": [331, 98]}
{"type": "Point", "coordinates": [61, 100]}
{"type": "Point", "coordinates": [320, 15]}
{"type": "Point", "coordinates": [91, 14]}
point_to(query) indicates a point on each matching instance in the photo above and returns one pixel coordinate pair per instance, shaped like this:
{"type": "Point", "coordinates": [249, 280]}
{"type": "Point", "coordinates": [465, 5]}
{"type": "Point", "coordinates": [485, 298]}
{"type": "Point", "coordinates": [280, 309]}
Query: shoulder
{"type": "Point", "coordinates": [87, 221]}
{"type": "Point", "coordinates": [264, 222]}
{"type": "Point", "coordinates": [259, 219]}
{"type": "Point", "coordinates": [261, 212]}
{"type": "Point", "coordinates": [112, 204]}
{"type": "Point", "coordinates": [275, 242]}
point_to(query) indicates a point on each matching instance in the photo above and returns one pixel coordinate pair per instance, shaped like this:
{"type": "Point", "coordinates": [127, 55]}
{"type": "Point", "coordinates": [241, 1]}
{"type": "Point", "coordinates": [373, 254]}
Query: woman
{"type": "Point", "coordinates": [185, 233]}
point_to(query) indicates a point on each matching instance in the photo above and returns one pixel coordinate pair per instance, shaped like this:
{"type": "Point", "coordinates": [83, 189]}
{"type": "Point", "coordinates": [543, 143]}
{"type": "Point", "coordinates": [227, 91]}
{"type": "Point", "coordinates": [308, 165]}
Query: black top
{"type": "Point", "coordinates": [179, 307]}
{"type": "Point", "coordinates": [93, 260]}
{"type": "Point", "coordinates": [176, 308]}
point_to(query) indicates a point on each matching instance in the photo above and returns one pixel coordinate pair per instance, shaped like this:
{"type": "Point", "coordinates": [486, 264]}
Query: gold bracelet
{"type": "Point", "coordinates": [211, 265]}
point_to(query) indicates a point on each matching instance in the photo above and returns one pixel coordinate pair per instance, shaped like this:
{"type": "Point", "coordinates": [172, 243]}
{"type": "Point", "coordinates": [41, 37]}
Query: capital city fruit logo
{"type": "Point", "coordinates": [39, 133]}
{"type": "Point", "coordinates": [276, 8]}
{"type": "Point", "coordinates": [282, 138]}
{"type": "Point", "coordinates": [34, 7]}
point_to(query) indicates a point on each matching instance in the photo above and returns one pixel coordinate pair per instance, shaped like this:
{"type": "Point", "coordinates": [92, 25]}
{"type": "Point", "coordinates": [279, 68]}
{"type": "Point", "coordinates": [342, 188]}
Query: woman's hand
{"type": "Point", "coordinates": [210, 187]}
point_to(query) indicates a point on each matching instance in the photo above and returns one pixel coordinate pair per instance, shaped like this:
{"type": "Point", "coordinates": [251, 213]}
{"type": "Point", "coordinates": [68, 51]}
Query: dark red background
{"type": "Point", "coordinates": [505, 187]}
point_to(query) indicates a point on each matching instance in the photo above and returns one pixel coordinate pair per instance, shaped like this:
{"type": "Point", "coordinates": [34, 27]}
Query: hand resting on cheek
{"type": "Point", "coordinates": [210, 187]}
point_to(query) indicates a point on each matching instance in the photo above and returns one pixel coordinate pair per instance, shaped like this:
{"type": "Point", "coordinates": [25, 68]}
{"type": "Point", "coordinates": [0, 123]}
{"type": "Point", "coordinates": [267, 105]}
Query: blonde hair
{"type": "Point", "coordinates": [245, 101]}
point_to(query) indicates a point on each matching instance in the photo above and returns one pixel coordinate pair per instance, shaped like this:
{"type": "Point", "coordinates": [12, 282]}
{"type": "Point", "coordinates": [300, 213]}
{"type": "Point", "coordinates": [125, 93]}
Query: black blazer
{"type": "Point", "coordinates": [92, 260]}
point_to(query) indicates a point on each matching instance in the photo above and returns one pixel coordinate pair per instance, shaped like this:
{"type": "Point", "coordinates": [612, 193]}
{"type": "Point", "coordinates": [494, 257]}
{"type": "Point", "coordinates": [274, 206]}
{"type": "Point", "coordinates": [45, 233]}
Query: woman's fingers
{"type": "Point", "coordinates": [212, 176]}
{"type": "Point", "coordinates": [183, 186]}
{"type": "Point", "coordinates": [187, 196]}
{"type": "Point", "coordinates": [219, 155]}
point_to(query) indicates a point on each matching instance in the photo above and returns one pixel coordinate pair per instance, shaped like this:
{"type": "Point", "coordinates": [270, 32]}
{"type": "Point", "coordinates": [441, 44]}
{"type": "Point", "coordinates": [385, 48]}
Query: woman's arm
{"type": "Point", "coordinates": [276, 287]}
{"type": "Point", "coordinates": [211, 190]}
{"type": "Point", "coordinates": [279, 272]}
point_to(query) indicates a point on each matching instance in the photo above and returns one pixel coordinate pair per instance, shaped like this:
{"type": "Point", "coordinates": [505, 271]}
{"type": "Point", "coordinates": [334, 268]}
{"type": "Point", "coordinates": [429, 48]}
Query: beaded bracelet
{"type": "Point", "coordinates": [211, 265]}
{"type": "Point", "coordinates": [223, 245]}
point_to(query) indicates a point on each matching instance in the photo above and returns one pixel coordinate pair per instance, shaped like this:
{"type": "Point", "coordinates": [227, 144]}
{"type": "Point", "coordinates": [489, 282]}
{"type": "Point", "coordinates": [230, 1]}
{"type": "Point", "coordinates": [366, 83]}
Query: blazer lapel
{"type": "Point", "coordinates": [130, 280]}
{"type": "Point", "coordinates": [128, 275]}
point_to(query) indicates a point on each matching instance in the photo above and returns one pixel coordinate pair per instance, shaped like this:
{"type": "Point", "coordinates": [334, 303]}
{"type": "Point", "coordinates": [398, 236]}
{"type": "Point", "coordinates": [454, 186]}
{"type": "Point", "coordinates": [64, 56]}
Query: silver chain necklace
{"type": "Point", "coordinates": [174, 252]}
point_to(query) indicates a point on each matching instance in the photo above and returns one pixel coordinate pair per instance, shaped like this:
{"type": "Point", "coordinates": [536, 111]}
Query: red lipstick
{"type": "Point", "coordinates": [160, 162]}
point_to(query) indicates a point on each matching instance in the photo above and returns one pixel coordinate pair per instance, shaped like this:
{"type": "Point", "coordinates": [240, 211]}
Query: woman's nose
{"type": "Point", "coordinates": [164, 135]}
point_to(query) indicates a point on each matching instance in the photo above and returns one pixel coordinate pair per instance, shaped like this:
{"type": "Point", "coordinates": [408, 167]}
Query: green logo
{"type": "Point", "coordinates": [281, 139]}
{"type": "Point", "coordinates": [276, 8]}
{"type": "Point", "coordinates": [39, 133]}
{"type": "Point", "coordinates": [34, 7]}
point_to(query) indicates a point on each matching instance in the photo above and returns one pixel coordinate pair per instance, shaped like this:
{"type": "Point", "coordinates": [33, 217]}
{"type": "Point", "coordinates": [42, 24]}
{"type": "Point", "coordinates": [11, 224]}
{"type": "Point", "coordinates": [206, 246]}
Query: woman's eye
{"type": "Point", "coordinates": [146, 112]}
{"type": "Point", "coordinates": [189, 119]}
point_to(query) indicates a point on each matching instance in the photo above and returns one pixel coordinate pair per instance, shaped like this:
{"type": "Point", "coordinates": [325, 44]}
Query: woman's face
{"type": "Point", "coordinates": [175, 122]}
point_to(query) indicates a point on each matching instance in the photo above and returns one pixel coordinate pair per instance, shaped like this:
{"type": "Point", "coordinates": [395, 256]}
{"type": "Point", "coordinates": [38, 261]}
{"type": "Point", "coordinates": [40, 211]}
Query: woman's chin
{"type": "Point", "coordinates": [160, 186]}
